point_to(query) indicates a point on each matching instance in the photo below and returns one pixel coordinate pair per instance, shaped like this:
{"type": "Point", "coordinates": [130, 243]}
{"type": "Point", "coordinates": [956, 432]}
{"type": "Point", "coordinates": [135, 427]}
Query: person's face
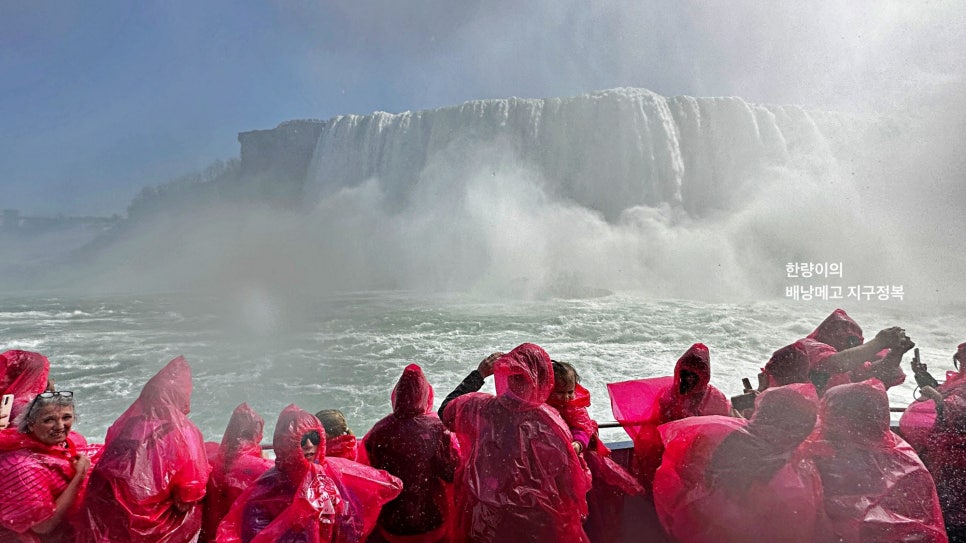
{"type": "Point", "coordinates": [689, 380]}
{"type": "Point", "coordinates": [52, 424]}
{"type": "Point", "coordinates": [309, 449]}
{"type": "Point", "coordinates": [563, 390]}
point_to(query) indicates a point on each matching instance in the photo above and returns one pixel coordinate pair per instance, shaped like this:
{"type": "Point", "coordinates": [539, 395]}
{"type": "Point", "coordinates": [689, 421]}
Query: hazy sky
{"type": "Point", "coordinates": [101, 98]}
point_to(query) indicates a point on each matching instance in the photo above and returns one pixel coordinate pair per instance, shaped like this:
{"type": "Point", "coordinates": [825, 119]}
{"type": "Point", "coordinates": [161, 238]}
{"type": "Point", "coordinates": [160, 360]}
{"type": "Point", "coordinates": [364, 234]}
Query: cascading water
{"type": "Point", "coordinates": [608, 151]}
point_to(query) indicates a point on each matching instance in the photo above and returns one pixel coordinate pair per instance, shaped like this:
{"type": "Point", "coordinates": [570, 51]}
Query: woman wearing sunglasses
{"type": "Point", "coordinates": [42, 452]}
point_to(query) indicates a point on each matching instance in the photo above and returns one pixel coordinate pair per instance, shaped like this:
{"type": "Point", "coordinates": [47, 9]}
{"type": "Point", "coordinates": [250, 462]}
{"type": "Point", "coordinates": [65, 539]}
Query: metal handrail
{"type": "Point", "coordinates": [616, 424]}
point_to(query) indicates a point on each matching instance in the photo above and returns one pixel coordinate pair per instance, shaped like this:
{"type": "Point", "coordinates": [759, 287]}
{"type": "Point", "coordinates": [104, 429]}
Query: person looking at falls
{"type": "Point", "coordinates": [730, 480]}
{"type": "Point", "coordinates": [235, 465]}
{"type": "Point", "coordinates": [837, 354]}
{"type": "Point", "coordinates": [41, 473]}
{"type": "Point", "coordinates": [412, 444]}
{"type": "Point", "coordinates": [295, 496]}
{"type": "Point", "coordinates": [149, 482]}
{"type": "Point", "coordinates": [339, 439]}
{"type": "Point", "coordinates": [306, 497]}
{"type": "Point", "coordinates": [644, 404]}
{"type": "Point", "coordinates": [519, 479]}
{"type": "Point", "coordinates": [611, 483]}
{"type": "Point", "coordinates": [936, 427]}
{"type": "Point", "coordinates": [876, 489]}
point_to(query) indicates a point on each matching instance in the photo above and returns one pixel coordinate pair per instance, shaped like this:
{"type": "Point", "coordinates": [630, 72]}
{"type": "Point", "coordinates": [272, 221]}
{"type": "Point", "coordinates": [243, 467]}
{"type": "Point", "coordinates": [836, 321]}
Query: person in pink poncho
{"type": "Point", "coordinates": [876, 487]}
{"type": "Point", "coordinates": [23, 374]}
{"type": "Point", "coordinates": [236, 464]}
{"type": "Point", "coordinates": [148, 484]}
{"type": "Point", "coordinates": [339, 440]}
{"type": "Point", "coordinates": [412, 444]}
{"type": "Point", "coordinates": [41, 473]}
{"type": "Point", "coordinates": [936, 428]}
{"type": "Point", "coordinates": [837, 353]}
{"type": "Point", "coordinates": [730, 480]}
{"type": "Point", "coordinates": [643, 405]}
{"type": "Point", "coordinates": [611, 483]}
{"type": "Point", "coordinates": [304, 498]}
{"type": "Point", "coordinates": [519, 478]}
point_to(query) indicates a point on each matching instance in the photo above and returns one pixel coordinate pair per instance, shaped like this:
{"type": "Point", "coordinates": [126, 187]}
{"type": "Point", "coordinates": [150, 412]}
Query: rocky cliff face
{"type": "Point", "coordinates": [277, 160]}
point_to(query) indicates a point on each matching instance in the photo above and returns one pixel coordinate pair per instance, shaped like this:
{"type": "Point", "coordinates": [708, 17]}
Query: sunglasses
{"type": "Point", "coordinates": [312, 436]}
{"type": "Point", "coordinates": [48, 395]}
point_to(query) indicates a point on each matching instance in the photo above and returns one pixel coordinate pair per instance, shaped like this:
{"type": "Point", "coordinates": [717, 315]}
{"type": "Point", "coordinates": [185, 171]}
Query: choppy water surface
{"type": "Point", "coordinates": [347, 351]}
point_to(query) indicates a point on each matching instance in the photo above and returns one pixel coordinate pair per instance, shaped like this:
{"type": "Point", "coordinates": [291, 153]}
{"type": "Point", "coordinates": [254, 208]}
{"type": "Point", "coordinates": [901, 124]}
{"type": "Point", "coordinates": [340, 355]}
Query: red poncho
{"type": "Point", "coordinates": [148, 485]}
{"type": "Point", "coordinates": [519, 478]}
{"type": "Point", "coordinates": [725, 479]}
{"type": "Point", "coordinates": [941, 443]}
{"type": "Point", "coordinates": [344, 446]}
{"type": "Point", "coordinates": [312, 501]}
{"type": "Point", "coordinates": [789, 365]}
{"type": "Point", "coordinates": [23, 374]}
{"type": "Point", "coordinates": [832, 336]}
{"type": "Point", "coordinates": [235, 465]}
{"type": "Point", "coordinates": [611, 482]}
{"type": "Point", "coordinates": [33, 477]}
{"type": "Point", "coordinates": [876, 488]}
{"type": "Point", "coordinates": [644, 404]}
{"type": "Point", "coordinates": [413, 444]}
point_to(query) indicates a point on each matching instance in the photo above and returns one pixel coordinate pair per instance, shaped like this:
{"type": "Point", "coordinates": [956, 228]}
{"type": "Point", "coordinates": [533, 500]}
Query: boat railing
{"type": "Point", "coordinates": [627, 444]}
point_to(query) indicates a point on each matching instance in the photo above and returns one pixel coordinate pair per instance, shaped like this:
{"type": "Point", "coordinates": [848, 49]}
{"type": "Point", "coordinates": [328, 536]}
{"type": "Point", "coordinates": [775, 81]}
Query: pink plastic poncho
{"type": "Point", "coordinates": [413, 444]}
{"type": "Point", "coordinates": [611, 482]}
{"type": "Point", "coordinates": [941, 443]}
{"type": "Point", "coordinates": [344, 446]}
{"type": "Point", "coordinates": [832, 336]}
{"type": "Point", "coordinates": [148, 485]}
{"type": "Point", "coordinates": [295, 496]}
{"type": "Point", "coordinates": [789, 365]}
{"type": "Point", "coordinates": [876, 488]}
{"type": "Point", "coordinates": [314, 502]}
{"type": "Point", "coordinates": [236, 463]}
{"type": "Point", "coordinates": [33, 477]}
{"type": "Point", "coordinates": [725, 479]}
{"type": "Point", "coordinates": [23, 374]}
{"type": "Point", "coordinates": [519, 479]}
{"type": "Point", "coordinates": [644, 404]}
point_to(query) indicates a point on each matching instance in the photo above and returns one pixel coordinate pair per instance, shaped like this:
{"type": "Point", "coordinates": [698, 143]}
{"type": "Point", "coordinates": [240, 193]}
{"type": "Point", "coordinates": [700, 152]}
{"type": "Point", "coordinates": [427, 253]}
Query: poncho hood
{"type": "Point", "coordinates": [23, 374]}
{"type": "Point", "coordinates": [169, 387]}
{"type": "Point", "coordinates": [836, 329]}
{"type": "Point", "coordinates": [413, 395]}
{"type": "Point", "coordinates": [525, 374]}
{"type": "Point", "coordinates": [856, 413]}
{"type": "Point", "coordinates": [788, 365]}
{"type": "Point", "coordinates": [696, 359]}
{"type": "Point", "coordinates": [293, 423]}
{"type": "Point", "coordinates": [244, 433]}
{"type": "Point", "coordinates": [786, 415]}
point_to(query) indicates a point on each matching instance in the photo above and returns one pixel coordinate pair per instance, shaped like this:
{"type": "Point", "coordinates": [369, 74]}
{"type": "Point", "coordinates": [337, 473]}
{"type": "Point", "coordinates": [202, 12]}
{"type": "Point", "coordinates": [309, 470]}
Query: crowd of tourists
{"type": "Point", "coordinates": [807, 456]}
